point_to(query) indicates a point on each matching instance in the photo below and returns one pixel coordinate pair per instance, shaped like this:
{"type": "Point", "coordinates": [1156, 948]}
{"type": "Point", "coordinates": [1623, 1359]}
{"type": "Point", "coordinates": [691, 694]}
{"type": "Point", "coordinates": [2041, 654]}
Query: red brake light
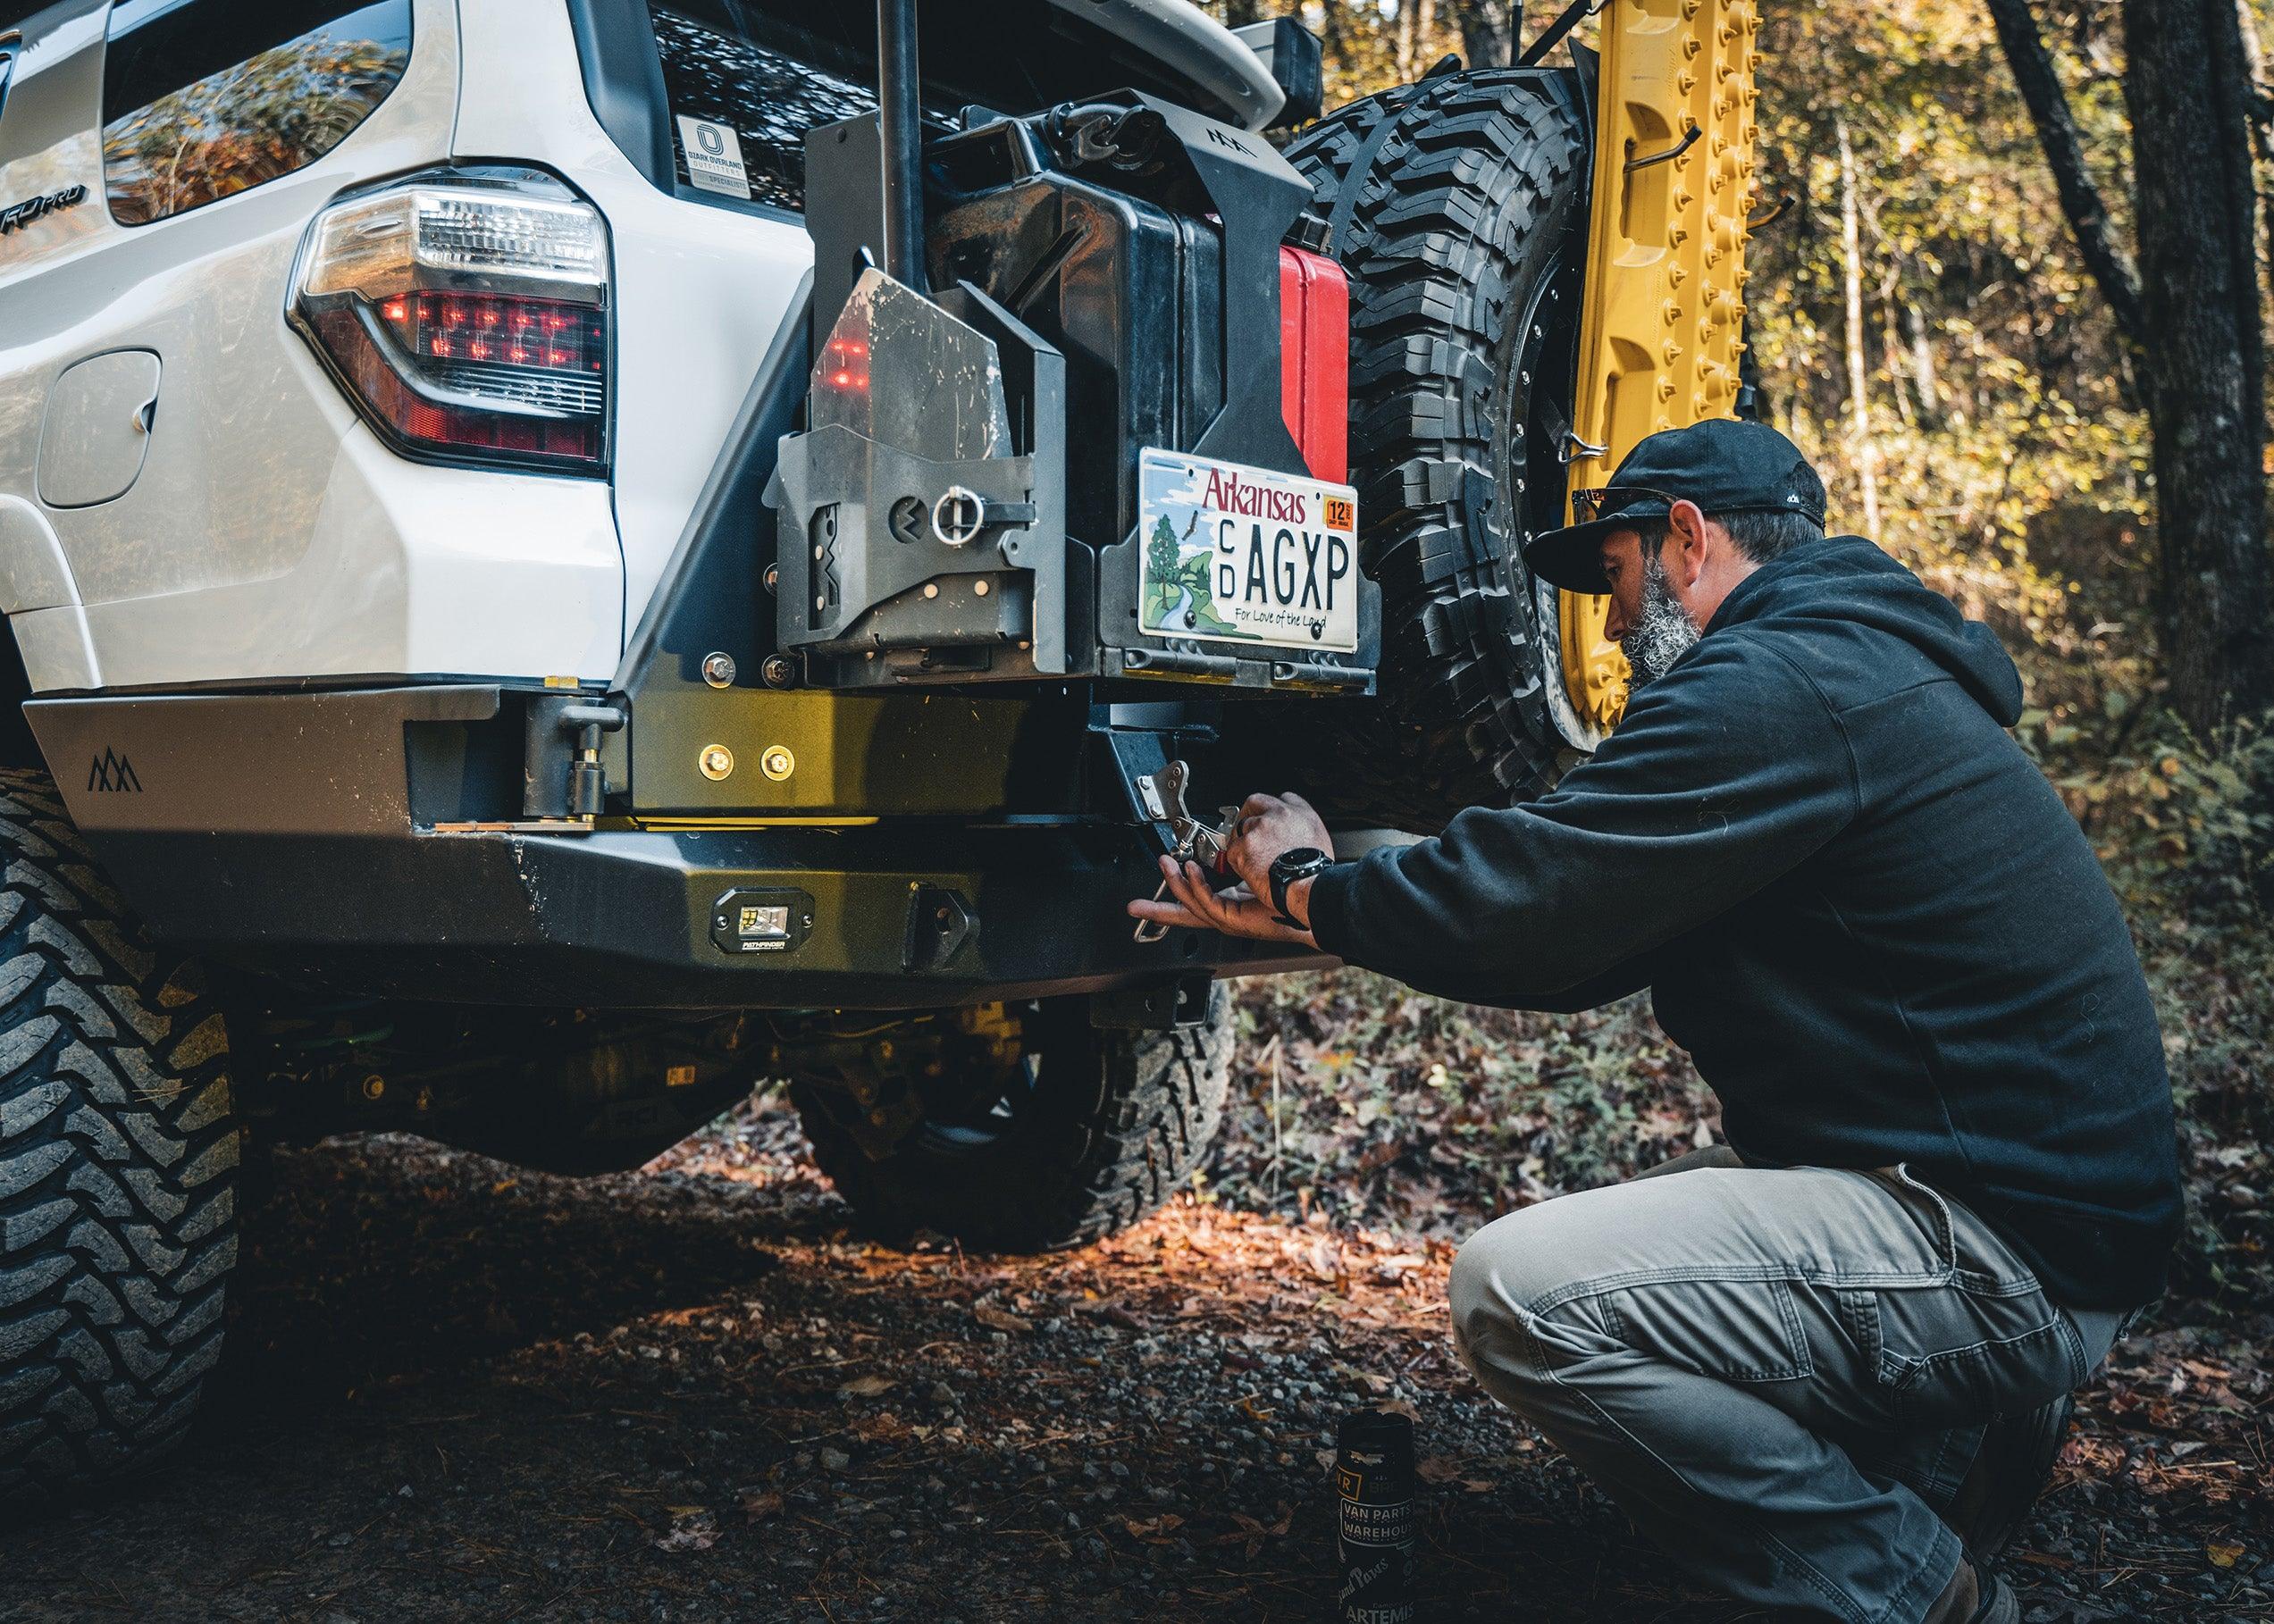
{"type": "Point", "coordinates": [467, 320]}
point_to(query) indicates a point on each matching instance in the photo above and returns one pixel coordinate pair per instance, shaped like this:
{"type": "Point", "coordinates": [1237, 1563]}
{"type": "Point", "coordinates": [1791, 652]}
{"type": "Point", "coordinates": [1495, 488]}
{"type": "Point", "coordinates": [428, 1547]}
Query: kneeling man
{"type": "Point", "coordinates": [1828, 1365]}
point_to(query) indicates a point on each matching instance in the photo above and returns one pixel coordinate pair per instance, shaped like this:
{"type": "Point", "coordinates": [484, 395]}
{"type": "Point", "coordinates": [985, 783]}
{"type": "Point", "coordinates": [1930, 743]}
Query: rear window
{"type": "Point", "coordinates": [205, 98]}
{"type": "Point", "coordinates": [763, 83]}
{"type": "Point", "coordinates": [745, 81]}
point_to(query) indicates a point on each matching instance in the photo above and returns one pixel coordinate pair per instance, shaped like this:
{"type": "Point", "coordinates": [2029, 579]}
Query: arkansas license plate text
{"type": "Point", "coordinates": [1245, 555]}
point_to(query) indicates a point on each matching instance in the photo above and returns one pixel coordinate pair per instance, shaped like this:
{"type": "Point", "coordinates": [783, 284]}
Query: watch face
{"type": "Point", "coordinates": [1296, 858]}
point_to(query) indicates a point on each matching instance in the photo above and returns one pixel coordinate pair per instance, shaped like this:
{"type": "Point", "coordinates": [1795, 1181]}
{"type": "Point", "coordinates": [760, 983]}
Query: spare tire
{"type": "Point", "coordinates": [1458, 208]}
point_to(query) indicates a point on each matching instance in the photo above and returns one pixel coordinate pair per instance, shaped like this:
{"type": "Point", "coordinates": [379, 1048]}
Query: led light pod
{"type": "Point", "coordinates": [467, 316]}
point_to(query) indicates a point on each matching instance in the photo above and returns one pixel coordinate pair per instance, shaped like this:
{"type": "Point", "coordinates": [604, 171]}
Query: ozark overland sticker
{"type": "Point", "coordinates": [714, 157]}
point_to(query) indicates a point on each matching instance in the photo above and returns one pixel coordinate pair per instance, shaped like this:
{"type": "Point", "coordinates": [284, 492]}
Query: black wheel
{"type": "Point", "coordinates": [1075, 1134]}
{"type": "Point", "coordinates": [118, 1169]}
{"type": "Point", "coordinates": [1458, 208]}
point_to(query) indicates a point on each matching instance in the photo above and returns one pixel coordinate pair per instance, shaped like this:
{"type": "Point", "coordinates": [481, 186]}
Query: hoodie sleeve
{"type": "Point", "coordinates": [1724, 774]}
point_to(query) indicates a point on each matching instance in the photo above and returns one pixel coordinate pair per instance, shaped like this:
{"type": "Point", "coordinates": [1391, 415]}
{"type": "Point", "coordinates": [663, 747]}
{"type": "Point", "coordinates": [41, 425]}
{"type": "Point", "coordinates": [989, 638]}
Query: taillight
{"type": "Point", "coordinates": [467, 317]}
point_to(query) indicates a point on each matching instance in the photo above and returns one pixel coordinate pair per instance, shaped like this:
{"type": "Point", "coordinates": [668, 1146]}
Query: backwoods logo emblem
{"type": "Point", "coordinates": [113, 772]}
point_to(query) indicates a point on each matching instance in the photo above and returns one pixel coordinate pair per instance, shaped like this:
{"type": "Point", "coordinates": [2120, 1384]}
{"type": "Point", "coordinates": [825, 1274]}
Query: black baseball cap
{"type": "Point", "coordinates": [1723, 465]}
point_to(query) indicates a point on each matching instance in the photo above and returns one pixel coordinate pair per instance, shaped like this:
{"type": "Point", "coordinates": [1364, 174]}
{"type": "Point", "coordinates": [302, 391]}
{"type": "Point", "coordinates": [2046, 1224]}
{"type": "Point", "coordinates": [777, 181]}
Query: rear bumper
{"type": "Point", "coordinates": [292, 834]}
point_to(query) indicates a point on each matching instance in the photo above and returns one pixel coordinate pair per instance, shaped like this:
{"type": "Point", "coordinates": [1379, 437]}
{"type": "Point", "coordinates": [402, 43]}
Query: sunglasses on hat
{"type": "Point", "coordinates": [1588, 506]}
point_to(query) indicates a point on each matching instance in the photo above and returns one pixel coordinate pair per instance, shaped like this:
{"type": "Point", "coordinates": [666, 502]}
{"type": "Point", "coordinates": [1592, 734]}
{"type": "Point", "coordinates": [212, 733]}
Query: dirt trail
{"type": "Point", "coordinates": [456, 1392]}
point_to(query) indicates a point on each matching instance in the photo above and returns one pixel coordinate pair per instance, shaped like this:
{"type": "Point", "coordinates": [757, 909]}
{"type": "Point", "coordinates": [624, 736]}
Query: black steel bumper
{"type": "Point", "coordinates": [296, 835]}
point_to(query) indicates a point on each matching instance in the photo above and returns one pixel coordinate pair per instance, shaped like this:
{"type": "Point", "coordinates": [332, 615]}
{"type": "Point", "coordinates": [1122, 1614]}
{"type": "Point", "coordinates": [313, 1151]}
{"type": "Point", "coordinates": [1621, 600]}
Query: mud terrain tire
{"type": "Point", "coordinates": [1115, 1123]}
{"type": "Point", "coordinates": [1458, 208]}
{"type": "Point", "coordinates": [118, 1166]}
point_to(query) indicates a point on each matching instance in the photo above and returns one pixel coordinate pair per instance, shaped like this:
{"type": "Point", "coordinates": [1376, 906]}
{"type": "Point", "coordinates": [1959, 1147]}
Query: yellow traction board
{"type": "Point", "coordinates": [1662, 306]}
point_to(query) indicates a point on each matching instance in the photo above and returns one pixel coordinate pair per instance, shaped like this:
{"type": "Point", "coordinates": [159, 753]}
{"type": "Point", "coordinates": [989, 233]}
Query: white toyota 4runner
{"type": "Point", "coordinates": [565, 557]}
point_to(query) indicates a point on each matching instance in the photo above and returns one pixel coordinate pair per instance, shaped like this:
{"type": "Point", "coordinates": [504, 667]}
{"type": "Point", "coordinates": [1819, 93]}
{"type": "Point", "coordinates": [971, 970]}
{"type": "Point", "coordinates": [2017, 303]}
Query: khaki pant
{"type": "Point", "coordinates": [1780, 1374]}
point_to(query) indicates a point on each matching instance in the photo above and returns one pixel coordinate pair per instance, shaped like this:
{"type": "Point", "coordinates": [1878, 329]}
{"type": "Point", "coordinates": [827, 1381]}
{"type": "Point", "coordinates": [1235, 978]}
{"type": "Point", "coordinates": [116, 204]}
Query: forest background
{"type": "Point", "coordinates": [1929, 326]}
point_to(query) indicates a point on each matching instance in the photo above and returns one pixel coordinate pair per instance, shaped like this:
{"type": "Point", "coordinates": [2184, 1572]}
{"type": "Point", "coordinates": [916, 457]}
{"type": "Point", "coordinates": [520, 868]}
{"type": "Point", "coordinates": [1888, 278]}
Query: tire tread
{"type": "Point", "coordinates": [118, 1157]}
{"type": "Point", "coordinates": [1107, 1148]}
{"type": "Point", "coordinates": [1441, 238]}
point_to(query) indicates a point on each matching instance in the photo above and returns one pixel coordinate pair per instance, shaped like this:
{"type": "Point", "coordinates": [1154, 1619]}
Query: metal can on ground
{"type": "Point", "coordinates": [1373, 1475]}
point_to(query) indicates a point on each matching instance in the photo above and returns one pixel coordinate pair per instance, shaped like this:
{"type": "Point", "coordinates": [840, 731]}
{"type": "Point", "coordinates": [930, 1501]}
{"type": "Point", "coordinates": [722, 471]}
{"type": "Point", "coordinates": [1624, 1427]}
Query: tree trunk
{"type": "Point", "coordinates": [1866, 454]}
{"type": "Point", "coordinates": [2186, 87]}
{"type": "Point", "coordinates": [1488, 30]}
{"type": "Point", "coordinates": [1930, 392]}
{"type": "Point", "coordinates": [2260, 108]}
{"type": "Point", "coordinates": [2080, 199]}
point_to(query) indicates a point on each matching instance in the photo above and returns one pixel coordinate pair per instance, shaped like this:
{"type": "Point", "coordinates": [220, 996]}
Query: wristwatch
{"type": "Point", "coordinates": [1297, 863]}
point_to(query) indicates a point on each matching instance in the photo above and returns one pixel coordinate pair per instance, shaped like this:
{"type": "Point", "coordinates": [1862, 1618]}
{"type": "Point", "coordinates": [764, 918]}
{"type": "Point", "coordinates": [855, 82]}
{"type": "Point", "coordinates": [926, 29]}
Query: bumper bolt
{"type": "Point", "coordinates": [718, 669]}
{"type": "Point", "coordinates": [715, 761]}
{"type": "Point", "coordinates": [779, 671]}
{"type": "Point", "coordinates": [373, 1086]}
{"type": "Point", "coordinates": [778, 763]}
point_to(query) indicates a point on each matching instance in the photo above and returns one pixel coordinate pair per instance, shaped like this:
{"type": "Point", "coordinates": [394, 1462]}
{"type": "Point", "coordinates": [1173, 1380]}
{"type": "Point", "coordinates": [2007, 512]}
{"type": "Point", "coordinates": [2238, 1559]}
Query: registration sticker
{"type": "Point", "coordinates": [1246, 555]}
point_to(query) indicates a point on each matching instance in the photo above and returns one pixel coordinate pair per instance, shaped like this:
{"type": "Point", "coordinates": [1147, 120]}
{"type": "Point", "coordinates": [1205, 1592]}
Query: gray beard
{"type": "Point", "coordinates": [1666, 630]}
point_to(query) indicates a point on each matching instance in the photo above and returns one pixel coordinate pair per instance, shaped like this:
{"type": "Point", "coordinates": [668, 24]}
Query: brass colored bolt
{"type": "Point", "coordinates": [716, 761]}
{"type": "Point", "coordinates": [373, 1086]}
{"type": "Point", "coordinates": [979, 587]}
{"type": "Point", "coordinates": [931, 589]}
{"type": "Point", "coordinates": [778, 763]}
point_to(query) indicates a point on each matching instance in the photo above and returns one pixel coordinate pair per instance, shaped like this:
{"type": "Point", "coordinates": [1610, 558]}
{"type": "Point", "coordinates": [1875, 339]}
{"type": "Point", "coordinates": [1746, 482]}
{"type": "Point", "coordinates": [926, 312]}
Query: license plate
{"type": "Point", "coordinates": [1245, 555]}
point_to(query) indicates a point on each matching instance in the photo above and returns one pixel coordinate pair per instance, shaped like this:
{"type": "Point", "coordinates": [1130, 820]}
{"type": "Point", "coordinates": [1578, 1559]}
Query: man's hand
{"type": "Point", "coordinates": [1268, 825]}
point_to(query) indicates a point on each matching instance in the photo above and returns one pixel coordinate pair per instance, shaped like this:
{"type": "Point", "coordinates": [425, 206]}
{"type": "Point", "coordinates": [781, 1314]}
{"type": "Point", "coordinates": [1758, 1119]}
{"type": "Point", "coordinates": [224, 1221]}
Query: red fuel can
{"type": "Point", "coordinates": [1315, 360]}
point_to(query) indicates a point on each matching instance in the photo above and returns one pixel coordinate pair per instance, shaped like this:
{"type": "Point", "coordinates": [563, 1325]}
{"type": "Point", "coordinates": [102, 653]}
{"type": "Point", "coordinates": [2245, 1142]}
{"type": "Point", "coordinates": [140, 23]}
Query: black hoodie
{"type": "Point", "coordinates": [1857, 904]}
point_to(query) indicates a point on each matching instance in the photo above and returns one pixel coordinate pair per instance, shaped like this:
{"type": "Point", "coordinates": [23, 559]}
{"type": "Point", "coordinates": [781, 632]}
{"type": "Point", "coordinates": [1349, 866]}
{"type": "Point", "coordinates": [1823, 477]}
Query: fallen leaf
{"type": "Point", "coordinates": [2225, 1556]}
{"type": "Point", "coordinates": [998, 1320]}
{"type": "Point", "coordinates": [866, 1386]}
{"type": "Point", "coordinates": [1435, 1468]}
{"type": "Point", "coordinates": [1148, 1527]}
{"type": "Point", "coordinates": [691, 1529]}
{"type": "Point", "coordinates": [758, 1507]}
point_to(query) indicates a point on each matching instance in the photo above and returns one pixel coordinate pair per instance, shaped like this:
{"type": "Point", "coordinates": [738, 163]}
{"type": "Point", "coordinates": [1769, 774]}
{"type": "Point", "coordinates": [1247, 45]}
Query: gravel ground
{"type": "Point", "coordinates": [458, 1391]}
